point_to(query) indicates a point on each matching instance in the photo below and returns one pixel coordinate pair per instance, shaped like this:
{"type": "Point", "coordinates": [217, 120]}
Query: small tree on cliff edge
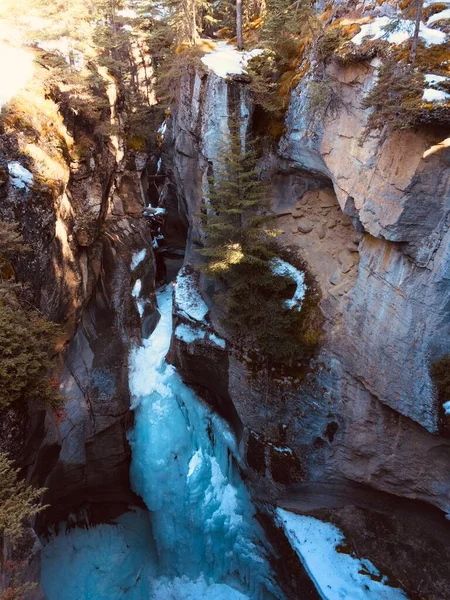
{"type": "Point", "coordinates": [239, 251]}
{"type": "Point", "coordinates": [236, 207]}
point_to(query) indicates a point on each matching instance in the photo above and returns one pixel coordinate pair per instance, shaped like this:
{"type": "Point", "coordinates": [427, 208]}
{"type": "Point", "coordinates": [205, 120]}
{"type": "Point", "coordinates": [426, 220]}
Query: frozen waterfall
{"type": "Point", "coordinates": [200, 539]}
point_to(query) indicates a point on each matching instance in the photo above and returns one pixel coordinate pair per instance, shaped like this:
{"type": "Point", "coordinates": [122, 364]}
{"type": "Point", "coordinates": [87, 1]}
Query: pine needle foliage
{"type": "Point", "coordinates": [18, 501]}
{"type": "Point", "coordinates": [396, 98]}
{"type": "Point", "coordinates": [236, 204]}
{"type": "Point", "coordinates": [26, 338]}
{"type": "Point", "coordinates": [239, 250]}
{"type": "Point", "coordinates": [25, 341]}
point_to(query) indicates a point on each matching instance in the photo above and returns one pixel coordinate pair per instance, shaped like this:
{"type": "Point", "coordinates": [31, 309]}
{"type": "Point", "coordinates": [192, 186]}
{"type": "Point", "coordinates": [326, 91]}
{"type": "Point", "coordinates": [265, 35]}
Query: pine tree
{"type": "Point", "coordinates": [18, 501]}
{"type": "Point", "coordinates": [240, 251]}
{"type": "Point", "coordinates": [26, 338]}
{"type": "Point", "coordinates": [236, 207]}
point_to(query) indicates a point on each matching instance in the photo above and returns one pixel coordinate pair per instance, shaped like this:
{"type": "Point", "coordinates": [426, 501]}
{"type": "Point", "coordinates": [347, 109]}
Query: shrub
{"type": "Point", "coordinates": [396, 99]}
{"type": "Point", "coordinates": [18, 501]}
{"type": "Point", "coordinates": [256, 313]}
{"type": "Point", "coordinates": [25, 342]}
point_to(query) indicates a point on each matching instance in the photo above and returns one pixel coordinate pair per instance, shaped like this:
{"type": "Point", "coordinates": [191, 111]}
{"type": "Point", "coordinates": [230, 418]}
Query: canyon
{"type": "Point", "coordinates": [358, 438]}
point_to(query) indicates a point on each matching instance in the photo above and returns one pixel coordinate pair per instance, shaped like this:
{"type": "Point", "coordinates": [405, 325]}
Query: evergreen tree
{"type": "Point", "coordinates": [18, 501]}
{"type": "Point", "coordinates": [240, 253]}
{"type": "Point", "coordinates": [236, 207]}
{"type": "Point", "coordinates": [26, 338]}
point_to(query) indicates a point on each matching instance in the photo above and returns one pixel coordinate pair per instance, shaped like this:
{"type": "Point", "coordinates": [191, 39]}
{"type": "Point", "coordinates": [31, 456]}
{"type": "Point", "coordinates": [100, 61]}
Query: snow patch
{"type": "Point", "coordinates": [188, 334]}
{"type": "Point", "coordinates": [284, 449]}
{"type": "Point", "coordinates": [217, 340]}
{"type": "Point", "coordinates": [337, 576]}
{"type": "Point", "coordinates": [403, 30]}
{"type": "Point", "coordinates": [284, 269]}
{"type": "Point", "coordinates": [437, 96]}
{"type": "Point", "coordinates": [127, 13]}
{"type": "Point", "coordinates": [135, 292]}
{"type": "Point", "coordinates": [162, 128]}
{"type": "Point", "coordinates": [20, 177]}
{"type": "Point", "coordinates": [187, 297]}
{"type": "Point", "coordinates": [432, 79]}
{"type": "Point", "coordinates": [225, 59]}
{"type": "Point", "coordinates": [137, 258]}
{"type": "Point", "coordinates": [444, 14]}
{"type": "Point", "coordinates": [446, 406]}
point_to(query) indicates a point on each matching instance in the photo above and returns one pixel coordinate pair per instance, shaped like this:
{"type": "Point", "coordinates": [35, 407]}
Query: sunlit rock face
{"type": "Point", "coordinates": [80, 215]}
{"type": "Point", "coordinates": [397, 185]}
{"type": "Point", "coordinates": [368, 216]}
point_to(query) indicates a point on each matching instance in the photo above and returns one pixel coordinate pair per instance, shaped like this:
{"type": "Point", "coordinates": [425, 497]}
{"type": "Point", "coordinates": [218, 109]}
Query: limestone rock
{"type": "Point", "coordinates": [327, 198]}
{"type": "Point", "coordinates": [336, 278]}
{"type": "Point", "coordinates": [305, 226]}
{"type": "Point", "coordinates": [321, 231]}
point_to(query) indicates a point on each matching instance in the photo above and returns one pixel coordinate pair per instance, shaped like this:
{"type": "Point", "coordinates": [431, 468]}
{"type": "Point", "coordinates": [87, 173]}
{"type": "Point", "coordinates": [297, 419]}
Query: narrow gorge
{"type": "Point", "coordinates": [225, 300]}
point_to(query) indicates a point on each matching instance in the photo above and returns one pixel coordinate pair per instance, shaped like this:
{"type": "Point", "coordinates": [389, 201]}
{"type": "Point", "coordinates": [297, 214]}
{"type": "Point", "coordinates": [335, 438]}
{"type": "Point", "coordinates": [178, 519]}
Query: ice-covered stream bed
{"type": "Point", "coordinates": [200, 538]}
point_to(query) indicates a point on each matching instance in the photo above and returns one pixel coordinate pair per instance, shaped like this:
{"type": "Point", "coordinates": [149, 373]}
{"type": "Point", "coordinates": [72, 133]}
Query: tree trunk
{"type": "Point", "coordinates": [413, 53]}
{"type": "Point", "coordinates": [240, 41]}
{"type": "Point", "coordinates": [194, 23]}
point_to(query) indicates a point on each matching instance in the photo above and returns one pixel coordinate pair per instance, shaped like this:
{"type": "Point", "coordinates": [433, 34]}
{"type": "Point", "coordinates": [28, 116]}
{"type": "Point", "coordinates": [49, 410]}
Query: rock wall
{"type": "Point", "coordinates": [80, 213]}
{"type": "Point", "coordinates": [369, 215]}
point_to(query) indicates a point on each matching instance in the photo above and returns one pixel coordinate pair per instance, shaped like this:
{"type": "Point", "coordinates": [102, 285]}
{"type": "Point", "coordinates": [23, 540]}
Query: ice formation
{"type": "Point", "coordinates": [225, 59]}
{"type": "Point", "coordinates": [20, 177]}
{"type": "Point", "coordinates": [137, 258]}
{"type": "Point", "coordinates": [282, 268]}
{"type": "Point", "coordinates": [188, 298]}
{"type": "Point", "coordinates": [402, 31]}
{"type": "Point", "coordinates": [446, 406]}
{"type": "Point", "coordinates": [199, 540]}
{"type": "Point", "coordinates": [184, 468]}
{"type": "Point", "coordinates": [337, 576]}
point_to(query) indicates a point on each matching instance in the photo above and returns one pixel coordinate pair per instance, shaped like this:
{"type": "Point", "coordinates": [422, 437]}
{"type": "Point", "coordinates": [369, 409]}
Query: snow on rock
{"type": "Point", "coordinates": [189, 334]}
{"type": "Point", "coordinates": [127, 13]}
{"type": "Point", "coordinates": [337, 576]}
{"type": "Point", "coordinates": [135, 293]}
{"type": "Point", "coordinates": [20, 177]}
{"type": "Point", "coordinates": [137, 258]}
{"type": "Point", "coordinates": [444, 14]}
{"type": "Point", "coordinates": [284, 269]}
{"type": "Point", "coordinates": [217, 340]}
{"type": "Point", "coordinates": [187, 297]}
{"type": "Point", "coordinates": [446, 406]}
{"type": "Point", "coordinates": [225, 59]}
{"type": "Point", "coordinates": [435, 96]}
{"type": "Point", "coordinates": [16, 68]}
{"type": "Point", "coordinates": [432, 79]}
{"type": "Point", "coordinates": [162, 128]}
{"type": "Point", "coordinates": [402, 31]}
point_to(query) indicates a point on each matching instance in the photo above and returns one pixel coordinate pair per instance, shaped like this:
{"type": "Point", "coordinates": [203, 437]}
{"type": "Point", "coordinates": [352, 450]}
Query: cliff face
{"type": "Point", "coordinates": [78, 199]}
{"type": "Point", "coordinates": [369, 215]}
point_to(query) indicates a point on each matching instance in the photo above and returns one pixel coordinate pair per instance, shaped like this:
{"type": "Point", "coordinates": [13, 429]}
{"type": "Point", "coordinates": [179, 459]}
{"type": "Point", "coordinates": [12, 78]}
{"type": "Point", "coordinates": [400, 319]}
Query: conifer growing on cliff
{"type": "Point", "coordinates": [240, 254]}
